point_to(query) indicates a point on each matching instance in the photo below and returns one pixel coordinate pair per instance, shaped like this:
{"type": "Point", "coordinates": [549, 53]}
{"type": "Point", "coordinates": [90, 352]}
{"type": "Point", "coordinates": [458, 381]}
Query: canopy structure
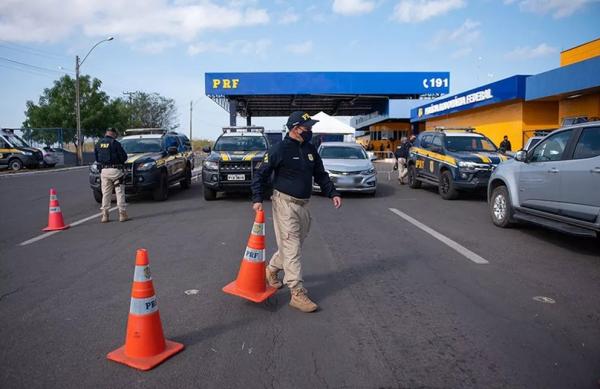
{"type": "Point", "coordinates": [330, 125]}
{"type": "Point", "coordinates": [336, 93]}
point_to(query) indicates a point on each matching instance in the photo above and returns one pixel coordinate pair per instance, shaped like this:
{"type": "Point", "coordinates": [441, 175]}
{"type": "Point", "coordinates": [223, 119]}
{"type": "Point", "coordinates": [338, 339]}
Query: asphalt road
{"type": "Point", "coordinates": [399, 309]}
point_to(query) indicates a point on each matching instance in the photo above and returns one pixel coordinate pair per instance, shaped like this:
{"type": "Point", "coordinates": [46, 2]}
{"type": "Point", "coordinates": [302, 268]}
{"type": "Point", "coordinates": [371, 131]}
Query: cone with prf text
{"type": "Point", "coordinates": [55, 217]}
{"type": "Point", "coordinates": [145, 345]}
{"type": "Point", "coordinates": [250, 283]}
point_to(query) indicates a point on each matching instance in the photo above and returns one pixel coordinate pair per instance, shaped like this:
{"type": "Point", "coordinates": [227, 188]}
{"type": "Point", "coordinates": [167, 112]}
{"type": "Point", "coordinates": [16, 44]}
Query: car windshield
{"type": "Point", "coordinates": [141, 145]}
{"type": "Point", "coordinates": [469, 143]}
{"type": "Point", "coordinates": [342, 153]}
{"type": "Point", "coordinates": [16, 141]}
{"type": "Point", "coordinates": [240, 143]}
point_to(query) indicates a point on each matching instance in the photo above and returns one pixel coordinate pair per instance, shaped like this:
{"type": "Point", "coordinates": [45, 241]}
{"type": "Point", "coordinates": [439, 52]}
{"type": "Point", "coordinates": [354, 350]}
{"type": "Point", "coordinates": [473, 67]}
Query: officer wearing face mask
{"type": "Point", "coordinates": [293, 163]}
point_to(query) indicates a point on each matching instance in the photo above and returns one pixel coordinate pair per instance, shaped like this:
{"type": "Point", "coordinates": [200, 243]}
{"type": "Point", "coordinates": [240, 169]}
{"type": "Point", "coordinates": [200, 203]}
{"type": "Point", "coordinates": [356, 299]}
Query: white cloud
{"type": "Point", "coordinates": [353, 7]}
{"type": "Point", "coordinates": [257, 48]}
{"type": "Point", "coordinates": [466, 34]}
{"type": "Point", "coordinates": [528, 52]}
{"type": "Point", "coordinates": [414, 11]}
{"type": "Point", "coordinates": [289, 17]}
{"type": "Point", "coordinates": [300, 48]}
{"type": "Point", "coordinates": [461, 53]}
{"type": "Point", "coordinates": [54, 20]}
{"type": "Point", "coordinates": [155, 47]}
{"type": "Point", "coordinates": [558, 8]}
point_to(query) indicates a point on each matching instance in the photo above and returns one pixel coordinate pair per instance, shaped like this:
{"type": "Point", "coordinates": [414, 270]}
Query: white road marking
{"type": "Point", "coordinates": [24, 174]}
{"type": "Point", "coordinates": [447, 241]}
{"type": "Point", "coordinates": [48, 234]}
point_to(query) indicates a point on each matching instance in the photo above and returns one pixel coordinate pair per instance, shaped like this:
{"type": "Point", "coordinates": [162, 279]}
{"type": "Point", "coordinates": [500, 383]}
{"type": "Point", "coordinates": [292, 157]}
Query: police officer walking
{"type": "Point", "coordinates": [294, 162]}
{"type": "Point", "coordinates": [111, 157]}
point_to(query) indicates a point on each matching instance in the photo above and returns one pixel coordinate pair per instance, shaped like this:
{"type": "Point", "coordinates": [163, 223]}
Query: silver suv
{"type": "Point", "coordinates": [556, 184]}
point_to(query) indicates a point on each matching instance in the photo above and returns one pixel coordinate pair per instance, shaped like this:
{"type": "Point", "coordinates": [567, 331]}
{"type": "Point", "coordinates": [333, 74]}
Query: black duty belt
{"type": "Point", "coordinates": [112, 166]}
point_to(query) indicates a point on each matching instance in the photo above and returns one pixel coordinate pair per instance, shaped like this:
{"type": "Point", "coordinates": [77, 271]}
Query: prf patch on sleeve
{"type": "Point", "coordinates": [266, 158]}
{"type": "Point", "coordinates": [310, 157]}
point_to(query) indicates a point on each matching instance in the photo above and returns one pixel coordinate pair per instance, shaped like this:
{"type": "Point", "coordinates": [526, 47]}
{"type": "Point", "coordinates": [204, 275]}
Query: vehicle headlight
{"type": "Point", "coordinates": [466, 165]}
{"type": "Point", "coordinates": [27, 153]}
{"type": "Point", "coordinates": [94, 168]}
{"type": "Point", "coordinates": [210, 165]}
{"type": "Point", "coordinates": [368, 172]}
{"type": "Point", "coordinates": [145, 166]}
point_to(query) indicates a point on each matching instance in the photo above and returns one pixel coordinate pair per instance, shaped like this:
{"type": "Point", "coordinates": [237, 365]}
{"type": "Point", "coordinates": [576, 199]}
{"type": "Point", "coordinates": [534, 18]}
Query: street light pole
{"type": "Point", "coordinates": [78, 101]}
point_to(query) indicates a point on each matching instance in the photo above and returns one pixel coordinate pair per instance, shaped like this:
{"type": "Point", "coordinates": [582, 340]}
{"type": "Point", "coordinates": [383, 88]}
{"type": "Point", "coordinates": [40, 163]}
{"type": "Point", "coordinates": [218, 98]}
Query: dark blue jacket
{"type": "Point", "coordinates": [108, 151]}
{"type": "Point", "coordinates": [294, 164]}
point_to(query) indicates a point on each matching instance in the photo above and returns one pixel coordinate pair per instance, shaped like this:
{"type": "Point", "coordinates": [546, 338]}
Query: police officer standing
{"type": "Point", "coordinates": [294, 162]}
{"type": "Point", "coordinates": [111, 157]}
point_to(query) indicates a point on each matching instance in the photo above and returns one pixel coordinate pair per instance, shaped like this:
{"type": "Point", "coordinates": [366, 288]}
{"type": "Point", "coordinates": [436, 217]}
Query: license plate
{"type": "Point", "coordinates": [236, 177]}
{"type": "Point", "coordinates": [345, 180]}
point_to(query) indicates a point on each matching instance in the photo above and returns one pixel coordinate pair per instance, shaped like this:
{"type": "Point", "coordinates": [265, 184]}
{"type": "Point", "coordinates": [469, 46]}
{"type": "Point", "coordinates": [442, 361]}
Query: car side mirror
{"type": "Point", "coordinates": [373, 158]}
{"type": "Point", "coordinates": [172, 150]}
{"type": "Point", "coordinates": [206, 149]}
{"type": "Point", "coordinates": [521, 156]}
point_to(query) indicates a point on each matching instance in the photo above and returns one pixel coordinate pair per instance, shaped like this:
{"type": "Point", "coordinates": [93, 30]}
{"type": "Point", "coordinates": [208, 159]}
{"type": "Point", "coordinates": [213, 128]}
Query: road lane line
{"type": "Point", "coordinates": [49, 234]}
{"type": "Point", "coordinates": [447, 241]}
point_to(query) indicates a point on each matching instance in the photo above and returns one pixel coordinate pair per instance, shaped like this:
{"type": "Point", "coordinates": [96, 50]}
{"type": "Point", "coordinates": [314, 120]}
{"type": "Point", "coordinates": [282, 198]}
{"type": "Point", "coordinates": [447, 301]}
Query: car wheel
{"type": "Point", "coordinates": [209, 194]}
{"type": "Point", "coordinates": [413, 182]}
{"type": "Point", "coordinates": [187, 181]}
{"type": "Point", "coordinates": [97, 196]}
{"type": "Point", "coordinates": [15, 164]}
{"type": "Point", "coordinates": [501, 208]}
{"type": "Point", "coordinates": [161, 193]}
{"type": "Point", "coordinates": [50, 165]}
{"type": "Point", "coordinates": [446, 187]}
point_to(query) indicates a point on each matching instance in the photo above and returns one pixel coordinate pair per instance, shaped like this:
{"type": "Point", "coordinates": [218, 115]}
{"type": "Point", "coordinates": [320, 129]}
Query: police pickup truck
{"type": "Point", "coordinates": [231, 163]}
{"type": "Point", "coordinates": [454, 160]}
{"type": "Point", "coordinates": [157, 158]}
{"type": "Point", "coordinates": [16, 153]}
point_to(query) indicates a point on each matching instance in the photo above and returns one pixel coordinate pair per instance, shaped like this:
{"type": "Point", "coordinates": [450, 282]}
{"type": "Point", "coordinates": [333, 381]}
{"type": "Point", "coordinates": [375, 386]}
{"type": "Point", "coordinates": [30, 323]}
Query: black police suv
{"type": "Point", "coordinates": [157, 158]}
{"type": "Point", "coordinates": [454, 160]}
{"type": "Point", "coordinates": [16, 153]}
{"type": "Point", "coordinates": [231, 163]}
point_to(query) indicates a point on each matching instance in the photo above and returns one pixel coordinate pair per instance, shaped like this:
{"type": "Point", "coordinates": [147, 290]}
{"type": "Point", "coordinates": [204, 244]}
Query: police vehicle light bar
{"type": "Point", "coordinates": [145, 131]}
{"type": "Point", "coordinates": [244, 129]}
{"type": "Point", "coordinates": [444, 129]}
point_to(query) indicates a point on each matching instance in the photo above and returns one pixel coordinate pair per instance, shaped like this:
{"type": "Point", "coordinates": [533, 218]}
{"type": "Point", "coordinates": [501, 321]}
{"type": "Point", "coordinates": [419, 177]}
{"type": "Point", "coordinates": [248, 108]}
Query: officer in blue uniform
{"type": "Point", "coordinates": [111, 157]}
{"type": "Point", "coordinates": [294, 163]}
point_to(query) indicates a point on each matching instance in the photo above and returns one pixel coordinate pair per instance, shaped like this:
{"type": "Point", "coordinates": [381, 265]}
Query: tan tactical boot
{"type": "Point", "coordinates": [272, 278]}
{"type": "Point", "coordinates": [301, 301]}
{"type": "Point", "coordinates": [123, 216]}
{"type": "Point", "coordinates": [104, 217]}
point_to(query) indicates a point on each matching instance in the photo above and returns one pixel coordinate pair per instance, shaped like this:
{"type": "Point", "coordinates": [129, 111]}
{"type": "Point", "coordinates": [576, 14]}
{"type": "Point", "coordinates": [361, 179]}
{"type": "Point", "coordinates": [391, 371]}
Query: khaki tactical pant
{"type": "Point", "coordinates": [109, 179]}
{"type": "Point", "coordinates": [402, 170]}
{"type": "Point", "coordinates": [291, 220]}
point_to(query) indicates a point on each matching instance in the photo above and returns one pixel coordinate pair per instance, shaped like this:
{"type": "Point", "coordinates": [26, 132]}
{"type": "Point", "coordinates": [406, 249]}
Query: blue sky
{"type": "Point", "coordinates": [167, 46]}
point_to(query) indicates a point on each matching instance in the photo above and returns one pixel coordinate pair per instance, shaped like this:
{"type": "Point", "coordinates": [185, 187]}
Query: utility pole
{"type": "Point", "coordinates": [78, 114]}
{"type": "Point", "coordinates": [191, 109]}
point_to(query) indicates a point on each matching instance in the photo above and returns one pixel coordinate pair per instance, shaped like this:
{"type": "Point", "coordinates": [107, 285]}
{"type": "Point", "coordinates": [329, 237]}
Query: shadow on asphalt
{"type": "Point", "coordinates": [204, 334]}
{"type": "Point", "coordinates": [579, 245]}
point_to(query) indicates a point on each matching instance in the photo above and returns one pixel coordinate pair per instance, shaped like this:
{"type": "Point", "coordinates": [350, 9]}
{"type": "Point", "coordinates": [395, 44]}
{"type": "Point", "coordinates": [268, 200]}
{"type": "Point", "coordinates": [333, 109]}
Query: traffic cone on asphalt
{"type": "Point", "coordinates": [251, 283]}
{"type": "Point", "coordinates": [145, 345]}
{"type": "Point", "coordinates": [55, 217]}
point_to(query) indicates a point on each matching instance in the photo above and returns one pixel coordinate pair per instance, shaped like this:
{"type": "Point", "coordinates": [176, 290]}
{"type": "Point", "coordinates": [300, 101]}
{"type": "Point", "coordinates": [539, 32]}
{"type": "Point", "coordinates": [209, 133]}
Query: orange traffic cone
{"type": "Point", "coordinates": [145, 345]}
{"type": "Point", "coordinates": [55, 217]}
{"type": "Point", "coordinates": [251, 283]}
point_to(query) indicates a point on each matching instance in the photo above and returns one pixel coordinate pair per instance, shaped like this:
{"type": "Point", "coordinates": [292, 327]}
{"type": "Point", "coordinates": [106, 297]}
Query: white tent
{"type": "Point", "coordinates": [330, 125]}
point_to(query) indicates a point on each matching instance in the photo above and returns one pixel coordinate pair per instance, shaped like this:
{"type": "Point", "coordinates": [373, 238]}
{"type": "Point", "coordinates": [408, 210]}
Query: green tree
{"type": "Point", "coordinates": [151, 110]}
{"type": "Point", "coordinates": [56, 108]}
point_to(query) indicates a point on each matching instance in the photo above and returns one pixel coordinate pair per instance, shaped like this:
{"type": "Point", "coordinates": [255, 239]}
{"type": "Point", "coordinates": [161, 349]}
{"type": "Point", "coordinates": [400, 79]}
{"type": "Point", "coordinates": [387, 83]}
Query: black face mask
{"type": "Point", "coordinates": [306, 136]}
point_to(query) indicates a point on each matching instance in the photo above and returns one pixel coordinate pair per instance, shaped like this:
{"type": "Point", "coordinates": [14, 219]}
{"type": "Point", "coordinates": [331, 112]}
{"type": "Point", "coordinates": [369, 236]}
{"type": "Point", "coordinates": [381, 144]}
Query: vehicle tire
{"type": "Point", "coordinates": [15, 164]}
{"type": "Point", "coordinates": [501, 208]}
{"type": "Point", "coordinates": [186, 183]}
{"type": "Point", "coordinates": [97, 196]}
{"type": "Point", "coordinates": [50, 165]}
{"type": "Point", "coordinates": [209, 194]}
{"type": "Point", "coordinates": [446, 187]}
{"type": "Point", "coordinates": [413, 182]}
{"type": "Point", "coordinates": [161, 193]}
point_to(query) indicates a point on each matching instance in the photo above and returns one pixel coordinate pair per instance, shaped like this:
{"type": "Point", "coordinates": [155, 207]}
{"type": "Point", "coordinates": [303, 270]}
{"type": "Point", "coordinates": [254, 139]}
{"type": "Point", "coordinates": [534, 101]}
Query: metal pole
{"type": "Point", "coordinates": [78, 114]}
{"type": "Point", "coordinates": [191, 108]}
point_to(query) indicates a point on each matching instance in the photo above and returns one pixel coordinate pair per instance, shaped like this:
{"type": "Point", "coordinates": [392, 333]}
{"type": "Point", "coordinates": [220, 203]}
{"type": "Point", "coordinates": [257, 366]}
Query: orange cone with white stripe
{"type": "Point", "coordinates": [251, 283]}
{"type": "Point", "coordinates": [55, 217]}
{"type": "Point", "coordinates": [145, 345]}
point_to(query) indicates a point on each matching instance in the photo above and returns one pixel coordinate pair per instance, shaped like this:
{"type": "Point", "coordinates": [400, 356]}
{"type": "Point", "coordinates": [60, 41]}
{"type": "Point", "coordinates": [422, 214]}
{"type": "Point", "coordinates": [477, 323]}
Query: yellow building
{"type": "Point", "coordinates": [519, 106]}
